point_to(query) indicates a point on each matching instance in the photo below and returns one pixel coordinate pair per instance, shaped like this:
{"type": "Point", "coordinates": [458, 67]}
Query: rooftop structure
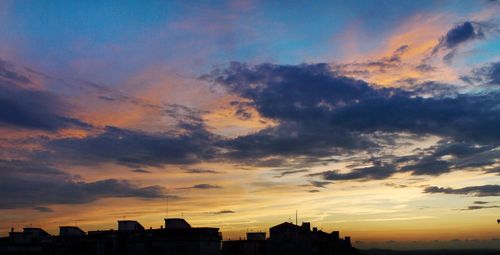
{"type": "Point", "coordinates": [70, 231]}
{"type": "Point", "coordinates": [176, 223]}
{"type": "Point", "coordinates": [129, 225]}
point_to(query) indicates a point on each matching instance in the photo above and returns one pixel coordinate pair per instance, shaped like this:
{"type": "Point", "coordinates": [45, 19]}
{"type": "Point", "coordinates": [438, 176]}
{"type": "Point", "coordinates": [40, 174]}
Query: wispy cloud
{"type": "Point", "coordinates": [477, 191]}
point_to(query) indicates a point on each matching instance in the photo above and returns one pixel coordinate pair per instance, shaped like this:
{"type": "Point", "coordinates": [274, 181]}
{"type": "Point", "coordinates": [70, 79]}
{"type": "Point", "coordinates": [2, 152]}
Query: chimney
{"type": "Point", "coordinates": [12, 229]}
{"type": "Point", "coordinates": [315, 229]}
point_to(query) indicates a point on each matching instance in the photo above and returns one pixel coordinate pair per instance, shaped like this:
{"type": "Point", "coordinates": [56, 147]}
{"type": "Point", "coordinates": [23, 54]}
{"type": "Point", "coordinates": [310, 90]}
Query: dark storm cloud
{"type": "Point", "coordinates": [33, 109]}
{"type": "Point", "coordinates": [32, 184]}
{"type": "Point", "coordinates": [478, 191]}
{"type": "Point", "coordinates": [136, 148]}
{"type": "Point", "coordinates": [376, 172]}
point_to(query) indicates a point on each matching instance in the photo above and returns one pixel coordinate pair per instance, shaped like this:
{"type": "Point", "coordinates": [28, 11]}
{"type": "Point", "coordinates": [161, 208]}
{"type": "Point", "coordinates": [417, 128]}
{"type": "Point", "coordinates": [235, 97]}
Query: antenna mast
{"type": "Point", "coordinates": [166, 208]}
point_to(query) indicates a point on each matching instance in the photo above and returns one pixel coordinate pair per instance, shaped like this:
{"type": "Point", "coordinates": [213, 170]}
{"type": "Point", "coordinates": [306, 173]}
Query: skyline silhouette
{"type": "Point", "coordinates": [176, 236]}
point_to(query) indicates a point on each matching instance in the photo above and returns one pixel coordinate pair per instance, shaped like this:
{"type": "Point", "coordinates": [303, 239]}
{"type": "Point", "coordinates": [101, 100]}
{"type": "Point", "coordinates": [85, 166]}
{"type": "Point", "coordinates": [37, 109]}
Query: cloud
{"type": "Point", "coordinates": [43, 209]}
{"type": "Point", "coordinates": [32, 184]}
{"type": "Point", "coordinates": [488, 74]}
{"type": "Point", "coordinates": [480, 202]}
{"type": "Point", "coordinates": [376, 172]}
{"type": "Point", "coordinates": [372, 66]}
{"type": "Point", "coordinates": [431, 88]}
{"type": "Point", "coordinates": [428, 167]}
{"type": "Point", "coordinates": [24, 106]}
{"type": "Point", "coordinates": [319, 184]}
{"type": "Point", "coordinates": [137, 148]}
{"type": "Point", "coordinates": [202, 186]}
{"type": "Point", "coordinates": [479, 207]}
{"type": "Point", "coordinates": [224, 212]}
{"type": "Point", "coordinates": [34, 109]}
{"type": "Point", "coordinates": [300, 98]}
{"type": "Point", "coordinates": [142, 171]}
{"type": "Point", "coordinates": [449, 155]}
{"type": "Point", "coordinates": [200, 171]}
{"type": "Point", "coordinates": [7, 72]}
{"type": "Point", "coordinates": [466, 117]}
{"type": "Point", "coordinates": [290, 172]}
{"type": "Point", "coordinates": [477, 191]}
{"type": "Point", "coordinates": [396, 186]}
{"type": "Point", "coordinates": [461, 33]}
{"type": "Point", "coordinates": [320, 114]}
{"type": "Point", "coordinates": [242, 110]}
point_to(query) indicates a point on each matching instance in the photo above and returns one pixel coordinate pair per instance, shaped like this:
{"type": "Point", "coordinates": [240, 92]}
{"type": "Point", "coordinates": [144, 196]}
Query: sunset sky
{"type": "Point", "coordinates": [380, 119]}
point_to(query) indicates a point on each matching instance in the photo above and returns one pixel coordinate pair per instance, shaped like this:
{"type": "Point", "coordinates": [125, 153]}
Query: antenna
{"type": "Point", "coordinates": [296, 218]}
{"type": "Point", "coordinates": [166, 208]}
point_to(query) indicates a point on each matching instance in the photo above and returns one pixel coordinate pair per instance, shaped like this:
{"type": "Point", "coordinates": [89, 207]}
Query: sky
{"type": "Point", "coordinates": [375, 118]}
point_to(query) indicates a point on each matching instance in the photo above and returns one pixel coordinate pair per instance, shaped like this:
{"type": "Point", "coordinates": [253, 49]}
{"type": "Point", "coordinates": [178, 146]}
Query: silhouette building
{"type": "Point", "coordinates": [290, 239]}
{"type": "Point", "coordinates": [176, 238]}
{"type": "Point", "coordinates": [255, 244]}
